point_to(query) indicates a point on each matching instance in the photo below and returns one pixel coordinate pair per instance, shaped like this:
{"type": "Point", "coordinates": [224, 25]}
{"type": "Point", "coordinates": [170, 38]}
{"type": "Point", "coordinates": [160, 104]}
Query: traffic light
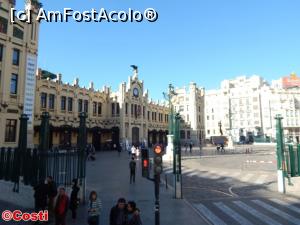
{"type": "Point", "coordinates": [158, 153]}
{"type": "Point", "coordinates": [145, 163]}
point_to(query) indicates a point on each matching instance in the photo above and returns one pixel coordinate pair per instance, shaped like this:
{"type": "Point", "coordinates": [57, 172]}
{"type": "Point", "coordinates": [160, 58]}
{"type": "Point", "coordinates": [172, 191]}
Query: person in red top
{"type": "Point", "coordinates": [61, 207]}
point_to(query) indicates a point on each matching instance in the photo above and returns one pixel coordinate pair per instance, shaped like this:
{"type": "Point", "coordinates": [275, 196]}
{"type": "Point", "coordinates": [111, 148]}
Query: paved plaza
{"type": "Point", "coordinates": [109, 176]}
{"type": "Point", "coordinates": [219, 188]}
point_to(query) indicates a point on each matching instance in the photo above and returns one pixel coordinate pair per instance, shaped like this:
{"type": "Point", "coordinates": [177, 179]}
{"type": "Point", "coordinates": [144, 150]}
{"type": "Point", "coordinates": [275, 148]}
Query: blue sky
{"type": "Point", "coordinates": [205, 41]}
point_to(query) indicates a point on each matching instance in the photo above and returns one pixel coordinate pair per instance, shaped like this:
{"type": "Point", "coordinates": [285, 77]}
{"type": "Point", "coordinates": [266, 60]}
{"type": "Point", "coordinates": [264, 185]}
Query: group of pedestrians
{"type": "Point", "coordinates": [48, 197]}
{"type": "Point", "coordinates": [44, 194]}
{"type": "Point", "coordinates": [125, 213]}
{"type": "Point", "coordinates": [134, 151]}
{"type": "Point", "coordinates": [189, 145]}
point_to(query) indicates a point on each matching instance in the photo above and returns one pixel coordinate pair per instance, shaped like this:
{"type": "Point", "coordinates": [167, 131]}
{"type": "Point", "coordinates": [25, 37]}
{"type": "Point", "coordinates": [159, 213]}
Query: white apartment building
{"type": "Point", "coordinates": [216, 113]}
{"type": "Point", "coordinates": [236, 107]}
{"type": "Point", "coordinates": [282, 97]}
{"type": "Point", "coordinates": [246, 107]}
{"type": "Point", "coordinates": [190, 103]}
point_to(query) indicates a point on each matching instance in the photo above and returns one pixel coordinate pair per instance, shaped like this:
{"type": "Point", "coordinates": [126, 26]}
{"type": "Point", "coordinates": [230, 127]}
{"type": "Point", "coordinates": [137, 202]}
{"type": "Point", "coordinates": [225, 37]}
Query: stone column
{"type": "Point", "coordinates": [169, 150]}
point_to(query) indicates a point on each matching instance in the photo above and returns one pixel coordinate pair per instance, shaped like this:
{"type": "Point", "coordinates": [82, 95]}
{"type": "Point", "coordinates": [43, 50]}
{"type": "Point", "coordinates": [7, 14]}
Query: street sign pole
{"type": "Point", "coordinates": [157, 206]}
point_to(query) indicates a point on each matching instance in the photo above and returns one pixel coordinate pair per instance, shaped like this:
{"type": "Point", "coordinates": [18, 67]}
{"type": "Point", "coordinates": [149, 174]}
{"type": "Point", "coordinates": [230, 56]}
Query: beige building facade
{"type": "Point", "coordinates": [189, 102]}
{"type": "Point", "coordinates": [18, 62]}
{"type": "Point", "coordinates": [120, 118]}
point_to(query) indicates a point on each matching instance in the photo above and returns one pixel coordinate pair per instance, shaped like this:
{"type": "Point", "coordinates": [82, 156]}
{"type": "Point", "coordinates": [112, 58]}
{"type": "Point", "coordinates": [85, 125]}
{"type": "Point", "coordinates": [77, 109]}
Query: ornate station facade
{"type": "Point", "coordinates": [18, 63]}
{"type": "Point", "coordinates": [120, 118]}
{"type": "Point", "coordinates": [124, 117]}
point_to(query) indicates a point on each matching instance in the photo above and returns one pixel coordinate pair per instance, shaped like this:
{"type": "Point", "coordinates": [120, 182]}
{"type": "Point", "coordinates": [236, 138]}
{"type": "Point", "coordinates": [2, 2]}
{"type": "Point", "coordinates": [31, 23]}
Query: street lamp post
{"type": "Point", "coordinates": [171, 94]}
{"type": "Point", "coordinates": [82, 142]}
{"type": "Point", "coordinates": [177, 153]}
{"type": "Point", "coordinates": [20, 152]}
{"type": "Point", "coordinates": [174, 141]}
{"type": "Point", "coordinates": [220, 128]}
{"type": "Point", "coordinates": [280, 154]}
{"type": "Point", "coordinates": [44, 145]}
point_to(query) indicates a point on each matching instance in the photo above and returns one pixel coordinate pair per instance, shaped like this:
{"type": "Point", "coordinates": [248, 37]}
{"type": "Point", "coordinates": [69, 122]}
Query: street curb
{"type": "Point", "coordinates": [196, 211]}
{"type": "Point", "coordinates": [218, 156]}
{"type": "Point", "coordinates": [189, 204]}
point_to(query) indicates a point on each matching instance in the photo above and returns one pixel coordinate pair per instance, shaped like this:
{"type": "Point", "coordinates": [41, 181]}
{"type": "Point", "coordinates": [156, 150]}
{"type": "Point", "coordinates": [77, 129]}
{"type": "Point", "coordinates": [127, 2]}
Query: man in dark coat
{"type": "Point", "coordinates": [52, 192]}
{"type": "Point", "coordinates": [40, 196]}
{"type": "Point", "coordinates": [118, 214]}
{"type": "Point", "coordinates": [74, 200]}
{"type": "Point", "coordinates": [132, 167]}
{"type": "Point", "coordinates": [191, 147]}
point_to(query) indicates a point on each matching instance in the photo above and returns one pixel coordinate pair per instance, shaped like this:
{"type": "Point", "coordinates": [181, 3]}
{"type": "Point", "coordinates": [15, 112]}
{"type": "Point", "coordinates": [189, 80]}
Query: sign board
{"type": "Point", "coordinates": [31, 66]}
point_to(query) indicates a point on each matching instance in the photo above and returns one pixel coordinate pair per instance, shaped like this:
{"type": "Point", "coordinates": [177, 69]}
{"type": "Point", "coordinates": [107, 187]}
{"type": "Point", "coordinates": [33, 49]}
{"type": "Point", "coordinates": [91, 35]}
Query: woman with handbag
{"type": "Point", "coordinates": [94, 209]}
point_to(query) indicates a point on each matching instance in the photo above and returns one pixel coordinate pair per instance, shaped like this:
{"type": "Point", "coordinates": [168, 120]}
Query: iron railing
{"type": "Point", "coordinates": [62, 165]}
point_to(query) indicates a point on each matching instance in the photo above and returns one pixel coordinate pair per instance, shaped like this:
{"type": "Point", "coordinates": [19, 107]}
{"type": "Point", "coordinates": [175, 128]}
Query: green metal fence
{"type": "Point", "coordinates": [6, 164]}
{"type": "Point", "coordinates": [34, 165]}
{"type": "Point", "coordinates": [62, 165]}
{"type": "Point", "coordinates": [292, 160]}
{"type": "Point", "coordinates": [288, 156]}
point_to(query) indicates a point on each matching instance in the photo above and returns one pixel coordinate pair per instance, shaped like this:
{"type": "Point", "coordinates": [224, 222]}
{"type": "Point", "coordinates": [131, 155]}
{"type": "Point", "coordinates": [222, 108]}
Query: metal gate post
{"type": "Point", "coordinates": [280, 154]}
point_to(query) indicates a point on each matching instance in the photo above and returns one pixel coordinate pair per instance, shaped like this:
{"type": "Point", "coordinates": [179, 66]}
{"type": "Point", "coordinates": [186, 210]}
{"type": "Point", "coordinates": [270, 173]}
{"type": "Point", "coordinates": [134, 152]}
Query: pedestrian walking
{"type": "Point", "coordinates": [118, 214]}
{"type": "Point", "coordinates": [133, 214]}
{"type": "Point", "coordinates": [128, 149]}
{"type": "Point", "coordinates": [52, 192]}
{"type": "Point", "coordinates": [222, 148]}
{"type": "Point", "coordinates": [61, 207]}
{"type": "Point", "coordinates": [133, 151]}
{"type": "Point", "coordinates": [132, 167]}
{"type": "Point", "coordinates": [119, 150]}
{"type": "Point", "coordinates": [40, 196]}
{"type": "Point", "coordinates": [91, 153]}
{"type": "Point", "coordinates": [191, 147]}
{"type": "Point", "coordinates": [94, 209]}
{"type": "Point", "coordinates": [186, 146]}
{"type": "Point", "coordinates": [74, 200]}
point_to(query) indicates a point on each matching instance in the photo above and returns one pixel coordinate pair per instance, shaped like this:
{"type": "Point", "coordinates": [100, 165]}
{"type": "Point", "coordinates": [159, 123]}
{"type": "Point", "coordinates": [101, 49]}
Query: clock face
{"type": "Point", "coordinates": [136, 92]}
